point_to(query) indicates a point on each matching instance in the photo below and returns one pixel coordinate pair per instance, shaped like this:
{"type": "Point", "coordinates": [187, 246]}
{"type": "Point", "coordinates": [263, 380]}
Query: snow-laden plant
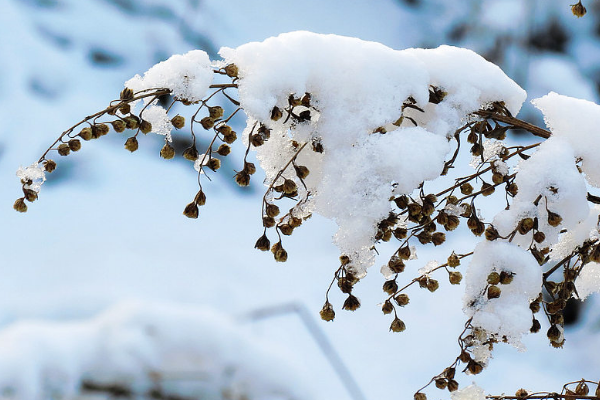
{"type": "Point", "coordinates": [356, 131]}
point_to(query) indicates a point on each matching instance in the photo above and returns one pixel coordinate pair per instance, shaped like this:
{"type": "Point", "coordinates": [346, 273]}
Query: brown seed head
{"type": "Point", "coordinates": [352, 303]}
{"type": "Point", "coordinates": [214, 164]}
{"type": "Point", "coordinates": [327, 313]}
{"type": "Point", "coordinates": [491, 233]}
{"type": "Point", "coordinates": [441, 383]}
{"type": "Point", "coordinates": [167, 152]}
{"type": "Point", "coordinates": [539, 237]}
{"type": "Point", "coordinates": [191, 210]}
{"type": "Point", "coordinates": [30, 195]}
{"type": "Point", "coordinates": [387, 307]}
{"type": "Point", "coordinates": [145, 127]}
{"type": "Point", "coordinates": [554, 333]}
{"type": "Point", "coordinates": [132, 122]}
{"type": "Point", "coordinates": [126, 94]}
{"type": "Point", "coordinates": [455, 277]}
{"type": "Point", "coordinates": [554, 219]}
{"type": "Point", "coordinates": [493, 292]}
{"type": "Point", "coordinates": [289, 186]}
{"type": "Point", "coordinates": [432, 285]}
{"type": "Point", "coordinates": [231, 70]}
{"type": "Point", "coordinates": [493, 278]}
{"type": "Point", "coordinates": [268, 222]}
{"type": "Point", "coordinates": [250, 168]}
{"type": "Point", "coordinates": [49, 165]}
{"type": "Point", "coordinates": [86, 133]}
{"type": "Point", "coordinates": [397, 325]}
{"type": "Point", "coordinates": [64, 149]}
{"type": "Point", "coordinates": [535, 326]}
{"type": "Point", "coordinates": [452, 385]}
{"type": "Point", "coordinates": [215, 112]}
{"type": "Point", "coordinates": [525, 225]}
{"type": "Point", "coordinates": [506, 277]}
{"type": "Point", "coordinates": [118, 125]}
{"type": "Point", "coordinates": [74, 144]}
{"type": "Point", "coordinates": [390, 287]}
{"type": "Point", "coordinates": [286, 229]}
{"type": "Point", "coordinates": [242, 178]}
{"type": "Point", "coordinates": [453, 260]}
{"type": "Point", "coordinates": [402, 299]}
{"type": "Point", "coordinates": [521, 394]}
{"type": "Point", "coordinates": [191, 153]}
{"type": "Point", "coordinates": [207, 122]}
{"type": "Point", "coordinates": [438, 238]}
{"type": "Point", "coordinates": [497, 178]}
{"type": "Point", "coordinates": [276, 114]}
{"type": "Point", "coordinates": [474, 367]}
{"type": "Point", "coordinates": [200, 198]}
{"type": "Point", "coordinates": [178, 121]}
{"type": "Point", "coordinates": [578, 10]}
{"type": "Point", "coordinates": [223, 150]}
{"type": "Point", "coordinates": [263, 243]}
{"type": "Point", "coordinates": [466, 188]}
{"type": "Point", "coordinates": [301, 171]}
{"type": "Point", "coordinates": [20, 205]}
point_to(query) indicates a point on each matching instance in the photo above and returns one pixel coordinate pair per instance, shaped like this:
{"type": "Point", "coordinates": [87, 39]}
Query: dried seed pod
{"type": "Point", "coordinates": [554, 219]}
{"type": "Point", "coordinates": [145, 127]}
{"type": "Point", "coordinates": [49, 165]}
{"type": "Point", "coordinates": [257, 140]}
{"type": "Point", "coordinates": [464, 356]}
{"type": "Point", "coordinates": [582, 388]}
{"type": "Point", "coordinates": [404, 252]}
{"type": "Point", "coordinates": [401, 202]}
{"type": "Point", "coordinates": [279, 252]}
{"type": "Point", "coordinates": [390, 287]}
{"type": "Point", "coordinates": [327, 313]}
{"type": "Point", "coordinates": [215, 112]}
{"type": "Point", "coordinates": [450, 372]}
{"type": "Point", "coordinates": [452, 223]}
{"type": "Point", "coordinates": [276, 114]}
{"type": "Point", "coordinates": [539, 237]}
{"type": "Point", "coordinates": [20, 205]}
{"type": "Point", "coordinates": [578, 10]}
{"type": "Point", "coordinates": [400, 233]}
{"type": "Point", "coordinates": [289, 186]}
{"type": "Point", "coordinates": [178, 121]}
{"type": "Point", "coordinates": [125, 109]}
{"type": "Point", "coordinates": [191, 210]}
{"type": "Point", "coordinates": [438, 238]}
{"type": "Point", "coordinates": [487, 189]}
{"type": "Point", "coordinates": [286, 229]}
{"type": "Point", "coordinates": [512, 189]}
{"type": "Point", "coordinates": [200, 198]}
{"type": "Point", "coordinates": [420, 396]}
{"type": "Point", "coordinates": [535, 306]}
{"type": "Point", "coordinates": [525, 225]}
{"type": "Point", "coordinates": [242, 178]}
{"type": "Point", "coordinates": [167, 152]}
{"type": "Point", "coordinates": [86, 133]}
{"type": "Point", "coordinates": [397, 325]}
{"type": "Point", "coordinates": [119, 126]}
{"type": "Point", "coordinates": [432, 285]}
{"type": "Point", "coordinates": [132, 122]}
{"type": "Point", "coordinates": [474, 367]}
{"type": "Point", "coordinates": [214, 164]}
{"type": "Point", "coordinates": [250, 168]}
{"type": "Point", "coordinates": [295, 222]}
{"type": "Point", "coordinates": [521, 393]}
{"type": "Point", "coordinates": [268, 222]}
{"type": "Point", "coordinates": [402, 299]}
{"type": "Point", "coordinates": [344, 260]}
{"type": "Point", "coordinates": [554, 333]}
{"type": "Point", "coordinates": [387, 307]}
{"type": "Point", "coordinates": [466, 188]}
{"type": "Point", "coordinates": [493, 278]}
{"type": "Point", "coordinates": [453, 260]}
{"type": "Point", "coordinates": [497, 178]}
{"type": "Point", "coordinates": [396, 265]}
{"type": "Point", "coordinates": [301, 171]}
{"type": "Point", "coordinates": [271, 210]}
{"type": "Point", "coordinates": [74, 144]}
{"type": "Point", "coordinates": [231, 70]}
{"type": "Point", "coordinates": [223, 150]}
{"type": "Point", "coordinates": [452, 385]}
{"type": "Point", "coordinates": [64, 149]}
{"type": "Point", "coordinates": [131, 144]}
{"type": "Point", "coordinates": [30, 195]}
{"type": "Point", "coordinates": [207, 122]}
{"type": "Point", "coordinates": [535, 326]}
{"type": "Point", "coordinates": [414, 209]}
{"type": "Point", "coordinates": [441, 383]}
{"type": "Point", "coordinates": [491, 233]}
{"type": "Point", "coordinates": [126, 94]}
{"type": "Point", "coordinates": [493, 292]}
{"type": "Point", "coordinates": [455, 277]}
{"type": "Point", "coordinates": [191, 153]}
{"type": "Point", "coordinates": [506, 277]}
{"type": "Point", "coordinates": [424, 237]}
{"type": "Point", "coordinates": [263, 243]}
{"type": "Point", "coordinates": [352, 303]}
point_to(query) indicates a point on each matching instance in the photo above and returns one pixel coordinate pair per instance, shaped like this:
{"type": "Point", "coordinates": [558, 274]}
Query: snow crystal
{"type": "Point", "coordinates": [509, 315]}
{"type": "Point", "coordinates": [588, 281]}
{"type": "Point", "coordinates": [584, 230]}
{"type": "Point", "coordinates": [357, 87]}
{"type": "Point", "coordinates": [131, 342]}
{"type": "Point", "coordinates": [576, 121]}
{"type": "Point", "coordinates": [430, 266]}
{"type": "Point", "coordinates": [491, 150]}
{"type": "Point", "coordinates": [471, 392]}
{"type": "Point", "coordinates": [200, 162]}
{"type": "Point", "coordinates": [34, 174]}
{"type": "Point", "coordinates": [157, 116]}
{"type": "Point", "coordinates": [188, 76]}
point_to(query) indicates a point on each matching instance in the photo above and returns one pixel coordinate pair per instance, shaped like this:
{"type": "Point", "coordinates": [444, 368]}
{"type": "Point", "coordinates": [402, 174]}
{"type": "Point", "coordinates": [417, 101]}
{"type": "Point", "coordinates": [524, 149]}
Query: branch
{"type": "Point", "coordinates": [515, 122]}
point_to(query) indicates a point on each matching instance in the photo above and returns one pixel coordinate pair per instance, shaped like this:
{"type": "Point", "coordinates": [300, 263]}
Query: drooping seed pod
{"type": "Point", "coordinates": [131, 144]}
{"type": "Point", "coordinates": [257, 140]}
{"type": "Point", "coordinates": [279, 252]}
{"type": "Point", "coordinates": [223, 150]}
{"type": "Point", "coordinates": [74, 144]}
{"type": "Point", "coordinates": [512, 189]}
{"type": "Point", "coordinates": [452, 385]}
{"type": "Point", "coordinates": [438, 238]}
{"type": "Point", "coordinates": [487, 189]}
{"type": "Point", "coordinates": [126, 94]}
{"type": "Point", "coordinates": [455, 277]}
{"type": "Point", "coordinates": [464, 356]}
{"type": "Point", "coordinates": [167, 152]}
{"type": "Point", "coordinates": [20, 205]}
{"type": "Point", "coordinates": [387, 307]}
{"type": "Point", "coordinates": [491, 233]}
{"type": "Point", "coordinates": [230, 137]}
{"type": "Point", "coordinates": [49, 165]}
{"type": "Point", "coordinates": [582, 388]}
{"type": "Point", "coordinates": [191, 153]}
{"type": "Point", "coordinates": [289, 186]}
{"type": "Point", "coordinates": [525, 225]}
{"type": "Point", "coordinates": [276, 114]}
{"type": "Point", "coordinates": [493, 292]}
{"type": "Point", "coordinates": [286, 229]}
{"type": "Point", "coordinates": [178, 121]}
{"type": "Point", "coordinates": [191, 210]}
{"type": "Point", "coordinates": [214, 164]}
{"type": "Point", "coordinates": [493, 278]}
{"type": "Point", "coordinates": [200, 198]}
{"type": "Point", "coordinates": [207, 122]}
{"type": "Point", "coordinates": [401, 202]}
{"type": "Point", "coordinates": [441, 383]}
{"type": "Point", "coordinates": [506, 277]}
{"type": "Point", "coordinates": [327, 313]}
{"type": "Point", "coordinates": [125, 109]}
{"type": "Point", "coordinates": [86, 133]}
{"type": "Point", "coordinates": [30, 195]}
{"type": "Point", "coordinates": [301, 171]}
{"type": "Point", "coordinates": [352, 303]}
{"type": "Point", "coordinates": [390, 287]}
{"type": "Point", "coordinates": [474, 367]}
{"type": "Point", "coordinates": [145, 127]}
{"type": "Point", "coordinates": [397, 325]}
{"type": "Point", "coordinates": [535, 326]}
{"type": "Point", "coordinates": [453, 260]}
{"type": "Point", "coordinates": [119, 126]}
{"type": "Point", "coordinates": [268, 222]}
{"type": "Point", "coordinates": [452, 223]}
{"type": "Point", "coordinates": [295, 222]}
{"type": "Point", "coordinates": [466, 188]}
{"type": "Point", "coordinates": [432, 285]}
{"type": "Point", "coordinates": [231, 70]}
{"type": "Point", "coordinates": [578, 9]}
{"type": "Point", "coordinates": [64, 150]}
{"type": "Point", "coordinates": [250, 168]}
{"type": "Point", "coordinates": [131, 122]}
{"type": "Point", "coordinates": [215, 112]}
{"type": "Point", "coordinates": [554, 219]}
{"type": "Point", "coordinates": [263, 243]}
{"type": "Point", "coordinates": [242, 178]}
{"type": "Point", "coordinates": [420, 396]}
{"type": "Point", "coordinates": [539, 236]}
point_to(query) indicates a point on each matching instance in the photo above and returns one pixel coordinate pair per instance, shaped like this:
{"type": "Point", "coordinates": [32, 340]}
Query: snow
{"type": "Point", "coordinates": [188, 76]}
{"type": "Point", "coordinates": [132, 343]}
{"type": "Point", "coordinates": [508, 315]}
{"type": "Point", "coordinates": [471, 392]}
{"type": "Point", "coordinates": [351, 100]}
{"type": "Point", "coordinates": [576, 121]}
{"type": "Point", "coordinates": [161, 124]}
{"type": "Point", "coordinates": [588, 281]}
{"type": "Point", "coordinates": [34, 173]}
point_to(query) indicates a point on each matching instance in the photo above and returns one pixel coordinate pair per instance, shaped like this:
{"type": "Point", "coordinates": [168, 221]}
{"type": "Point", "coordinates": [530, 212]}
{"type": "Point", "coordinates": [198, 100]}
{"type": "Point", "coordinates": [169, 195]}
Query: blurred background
{"type": "Point", "coordinates": [108, 227]}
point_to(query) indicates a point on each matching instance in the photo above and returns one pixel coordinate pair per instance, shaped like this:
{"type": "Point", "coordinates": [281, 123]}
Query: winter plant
{"type": "Point", "coordinates": [378, 140]}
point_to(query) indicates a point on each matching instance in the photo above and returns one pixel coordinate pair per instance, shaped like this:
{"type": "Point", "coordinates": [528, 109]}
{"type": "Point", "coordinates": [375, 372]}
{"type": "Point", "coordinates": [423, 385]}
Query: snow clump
{"type": "Point", "coordinates": [357, 91]}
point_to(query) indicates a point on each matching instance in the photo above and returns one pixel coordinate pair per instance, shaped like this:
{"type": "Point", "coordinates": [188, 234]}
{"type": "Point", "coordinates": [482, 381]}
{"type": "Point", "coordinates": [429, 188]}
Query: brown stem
{"type": "Point", "coordinates": [536, 130]}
